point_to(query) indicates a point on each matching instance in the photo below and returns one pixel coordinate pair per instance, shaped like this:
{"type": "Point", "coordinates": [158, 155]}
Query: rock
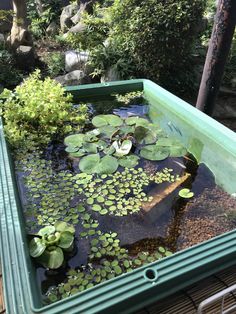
{"type": "Point", "coordinates": [75, 60]}
{"type": "Point", "coordinates": [76, 77]}
{"type": "Point", "coordinates": [87, 6]}
{"type": "Point", "coordinates": [52, 29]}
{"type": "Point", "coordinates": [78, 28]}
{"type": "Point", "coordinates": [110, 75]}
{"type": "Point", "coordinates": [25, 57]}
{"type": "Point", "coordinates": [67, 13]}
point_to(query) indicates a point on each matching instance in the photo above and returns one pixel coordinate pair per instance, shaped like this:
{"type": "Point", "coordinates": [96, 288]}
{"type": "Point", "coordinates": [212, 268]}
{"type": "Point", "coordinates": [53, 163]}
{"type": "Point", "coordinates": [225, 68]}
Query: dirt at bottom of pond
{"type": "Point", "coordinates": [218, 215]}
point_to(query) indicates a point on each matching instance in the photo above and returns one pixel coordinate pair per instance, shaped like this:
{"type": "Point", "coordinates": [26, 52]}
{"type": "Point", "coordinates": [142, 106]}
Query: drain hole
{"type": "Point", "coordinates": [151, 274]}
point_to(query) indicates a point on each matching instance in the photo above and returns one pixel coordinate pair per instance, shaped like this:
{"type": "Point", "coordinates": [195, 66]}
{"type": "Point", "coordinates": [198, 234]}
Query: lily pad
{"type": "Point", "coordinates": [88, 164]}
{"type": "Point", "coordinates": [153, 152]}
{"type": "Point", "coordinates": [79, 153]}
{"type": "Point", "coordinates": [175, 146]}
{"type": "Point", "coordinates": [99, 121]}
{"type": "Point", "coordinates": [113, 120]}
{"type": "Point", "coordinates": [107, 130]}
{"type": "Point", "coordinates": [107, 165]}
{"type": "Point", "coordinates": [129, 161]}
{"type": "Point", "coordinates": [186, 193]}
{"type": "Point", "coordinates": [90, 147]}
{"type": "Point", "coordinates": [71, 149]}
{"type": "Point", "coordinates": [75, 140]}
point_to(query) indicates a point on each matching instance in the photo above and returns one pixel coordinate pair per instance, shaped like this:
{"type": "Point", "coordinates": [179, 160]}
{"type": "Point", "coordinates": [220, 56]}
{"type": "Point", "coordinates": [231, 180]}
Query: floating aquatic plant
{"type": "Point", "coordinates": [50, 242]}
{"type": "Point", "coordinates": [107, 260]}
{"type": "Point", "coordinates": [117, 138]}
{"type": "Point", "coordinates": [186, 193]}
{"type": "Point", "coordinates": [121, 193]}
{"type": "Point", "coordinates": [49, 193]}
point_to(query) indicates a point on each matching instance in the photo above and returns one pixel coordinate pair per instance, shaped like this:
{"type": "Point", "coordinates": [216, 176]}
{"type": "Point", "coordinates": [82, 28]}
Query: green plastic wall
{"type": "Point", "coordinates": [208, 140]}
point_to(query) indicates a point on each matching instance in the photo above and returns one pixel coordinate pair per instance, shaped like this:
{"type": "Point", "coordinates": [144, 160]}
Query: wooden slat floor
{"type": "Point", "coordinates": [186, 301]}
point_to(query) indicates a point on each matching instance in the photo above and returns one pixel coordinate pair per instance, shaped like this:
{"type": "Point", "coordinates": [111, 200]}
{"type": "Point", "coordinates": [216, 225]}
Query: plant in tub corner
{"type": "Point", "coordinates": [50, 242]}
{"type": "Point", "coordinates": [37, 110]}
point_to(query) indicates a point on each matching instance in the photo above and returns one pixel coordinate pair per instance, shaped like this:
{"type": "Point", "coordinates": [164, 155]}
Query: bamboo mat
{"type": "Point", "coordinates": [186, 301]}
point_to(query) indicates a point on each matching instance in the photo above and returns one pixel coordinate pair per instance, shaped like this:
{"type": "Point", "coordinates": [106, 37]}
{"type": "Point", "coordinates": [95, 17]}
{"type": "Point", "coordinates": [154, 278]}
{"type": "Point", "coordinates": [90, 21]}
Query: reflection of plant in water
{"type": "Point", "coordinates": [128, 97]}
{"type": "Point", "coordinates": [117, 138]}
{"type": "Point", "coordinates": [49, 243]}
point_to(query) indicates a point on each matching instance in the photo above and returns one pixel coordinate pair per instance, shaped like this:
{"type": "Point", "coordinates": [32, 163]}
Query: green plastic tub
{"type": "Point", "coordinates": [209, 141]}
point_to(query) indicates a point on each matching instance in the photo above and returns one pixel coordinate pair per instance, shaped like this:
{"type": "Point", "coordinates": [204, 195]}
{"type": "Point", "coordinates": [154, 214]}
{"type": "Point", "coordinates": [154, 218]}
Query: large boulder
{"type": "Point", "coordinates": [75, 60]}
{"type": "Point", "coordinates": [76, 77]}
{"type": "Point", "coordinates": [67, 13]}
{"type": "Point", "coordinates": [25, 57]}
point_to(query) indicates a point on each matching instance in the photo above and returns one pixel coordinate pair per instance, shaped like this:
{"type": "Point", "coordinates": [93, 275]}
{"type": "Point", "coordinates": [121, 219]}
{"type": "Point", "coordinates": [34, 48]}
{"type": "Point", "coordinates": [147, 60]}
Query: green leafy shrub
{"type": "Point", "coordinates": [40, 21]}
{"type": "Point", "coordinates": [113, 55]}
{"type": "Point", "coordinates": [50, 242]}
{"type": "Point", "coordinates": [38, 109]}
{"type": "Point", "coordinates": [55, 62]}
{"type": "Point", "coordinates": [159, 36]}
{"type": "Point", "coordinates": [95, 32]}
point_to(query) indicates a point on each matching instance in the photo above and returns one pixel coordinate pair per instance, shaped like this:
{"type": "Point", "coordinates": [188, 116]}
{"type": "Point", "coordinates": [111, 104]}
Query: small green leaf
{"type": "Point", "coordinates": [36, 247]}
{"type": "Point", "coordinates": [186, 193]}
{"type": "Point", "coordinates": [52, 257]}
{"type": "Point", "coordinates": [46, 231]}
{"type": "Point", "coordinates": [66, 240]}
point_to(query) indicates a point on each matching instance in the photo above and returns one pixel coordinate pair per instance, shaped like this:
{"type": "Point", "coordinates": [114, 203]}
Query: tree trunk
{"type": "Point", "coordinates": [19, 32]}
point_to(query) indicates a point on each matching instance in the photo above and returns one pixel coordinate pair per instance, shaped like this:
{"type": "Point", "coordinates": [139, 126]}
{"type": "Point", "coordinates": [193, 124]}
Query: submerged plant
{"type": "Point", "coordinates": [50, 242]}
{"type": "Point", "coordinates": [121, 141]}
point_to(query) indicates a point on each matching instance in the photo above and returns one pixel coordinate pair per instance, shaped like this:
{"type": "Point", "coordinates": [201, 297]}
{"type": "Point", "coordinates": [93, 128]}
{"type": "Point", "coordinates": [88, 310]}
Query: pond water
{"type": "Point", "coordinates": [123, 220]}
